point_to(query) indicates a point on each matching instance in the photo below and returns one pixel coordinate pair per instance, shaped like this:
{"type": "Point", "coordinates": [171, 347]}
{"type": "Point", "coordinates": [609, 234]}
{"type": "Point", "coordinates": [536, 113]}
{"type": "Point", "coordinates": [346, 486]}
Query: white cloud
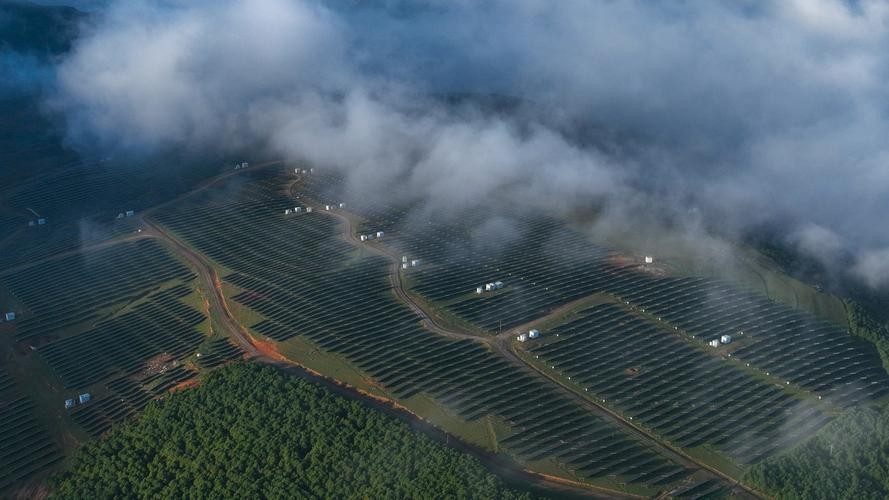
{"type": "Point", "coordinates": [762, 111]}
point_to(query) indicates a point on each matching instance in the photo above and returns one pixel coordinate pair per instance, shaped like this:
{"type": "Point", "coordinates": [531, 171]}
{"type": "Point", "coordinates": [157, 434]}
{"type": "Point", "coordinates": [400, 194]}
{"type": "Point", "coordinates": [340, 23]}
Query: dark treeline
{"type": "Point", "coordinates": [255, 432]}
{"type": "Point", "coordinates": [847, 459]}
{"type": "Point", "coordinates": [865, 325]}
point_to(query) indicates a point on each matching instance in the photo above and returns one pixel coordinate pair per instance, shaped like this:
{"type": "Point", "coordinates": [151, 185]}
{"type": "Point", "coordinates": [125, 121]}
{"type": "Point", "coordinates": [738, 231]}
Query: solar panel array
{"type": "Point", "coordinates": [305, 279]}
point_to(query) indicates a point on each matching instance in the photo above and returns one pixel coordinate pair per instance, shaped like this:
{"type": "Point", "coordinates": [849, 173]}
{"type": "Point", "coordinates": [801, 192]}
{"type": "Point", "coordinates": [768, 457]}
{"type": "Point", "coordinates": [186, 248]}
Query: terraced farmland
{"type": "Point", "coordinates": [77, 288]}
{"type": "Point", "coordinates": [25, 446]}
{"type": "Point", "coordinates": [683, 393]}
{"type": "Point", "coordinates": [306, 280]}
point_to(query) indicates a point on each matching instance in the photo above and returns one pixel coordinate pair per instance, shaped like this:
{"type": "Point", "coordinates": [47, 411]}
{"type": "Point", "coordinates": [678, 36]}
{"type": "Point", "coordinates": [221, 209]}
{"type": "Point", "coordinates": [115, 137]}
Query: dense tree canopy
{"type": "Point", "coordinates": [252, 432]}
{"type": "Point", "coordinates": [863, 323]}
{"type": "Point", "coordinates": [847, 459]}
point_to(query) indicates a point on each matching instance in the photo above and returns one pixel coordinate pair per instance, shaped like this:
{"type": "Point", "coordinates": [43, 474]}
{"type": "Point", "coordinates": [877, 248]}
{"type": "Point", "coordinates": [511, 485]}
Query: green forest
{"type": "Point", "coordinates": [847, 459]}
{"type": "Point", "coordinates": [864, 324]}
{"type": "Point", "coordinates": [251, 431]}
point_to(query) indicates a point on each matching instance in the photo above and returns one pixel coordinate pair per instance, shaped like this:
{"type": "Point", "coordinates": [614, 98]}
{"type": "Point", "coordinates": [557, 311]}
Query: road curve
{"type": "Point", "coordinates": [511, 472]}
{"type": "Point", "coordinates": [396, 281]}
{"type": "Point", "coordinates": [502, 345]}
{"type": "Point", "coordinates": [211, 282]}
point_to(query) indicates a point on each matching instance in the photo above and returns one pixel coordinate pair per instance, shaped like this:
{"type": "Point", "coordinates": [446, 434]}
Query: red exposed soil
{"type": "Point", "coordinates": [185, 384]}
{"type": "Point", "coordinates": [268, 349]}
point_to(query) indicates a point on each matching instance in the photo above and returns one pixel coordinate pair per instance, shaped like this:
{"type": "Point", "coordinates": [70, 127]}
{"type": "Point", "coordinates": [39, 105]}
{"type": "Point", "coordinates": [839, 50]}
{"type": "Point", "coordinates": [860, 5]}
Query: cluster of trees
{"type": "Point", "coordinates": [862, 323]}
{"type": "Point", "coordinates": [255, 432]}
{"type": "Point", "coordinates": [847, 459]}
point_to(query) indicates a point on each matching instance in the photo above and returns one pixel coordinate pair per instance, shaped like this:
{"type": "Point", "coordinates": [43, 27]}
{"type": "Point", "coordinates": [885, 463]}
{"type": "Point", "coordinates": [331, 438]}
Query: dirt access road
{"type": "Point", "coordinates": [218, 303]}
{"type": "Point", "coordinates": [503, 345]}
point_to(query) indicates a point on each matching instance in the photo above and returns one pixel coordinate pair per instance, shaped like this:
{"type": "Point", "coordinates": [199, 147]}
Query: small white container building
{"type": "Point", "coordinates": [328, 207]}
{"type": "Point", "coordinates": [342, 205]}
{"type": "Point", "coordinates": [308, 210]}
{"type": "Point", "coordinates": [69, 403]}
{"type": "Point", "coordinates": [479, 289]}
{"type": "Point", "coordinates": [10, 316]}
{"type": "Point", "coordinates": [415, 262]}
{"type": "Point", "coordinates": [287, 211]}
{"type": "Point", "coordinates": [534, 333]}
{"type": "Point", "coordinates": [649, 259]}
{"type": "Point", "coordinates": [363, 237]}
{"type": "Point", "coordinates": [725, 339]}
{"type": "Point", "coordinates": [714, 343]}
{"type": "Point", "coordinates": [379, 234]}
{"type": "Point", "coordinates": [405, 265]}
{"type": "Point", "coordinates": [489, 287]}
{"type": "Point", "coordinates": [84, 398]}
{"type": "Point", "coordinates": [522, 338]}
{"type": "Point", "coordinates": [404, 258]}
{"type": "Point", "coordinates": [297, 210]}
